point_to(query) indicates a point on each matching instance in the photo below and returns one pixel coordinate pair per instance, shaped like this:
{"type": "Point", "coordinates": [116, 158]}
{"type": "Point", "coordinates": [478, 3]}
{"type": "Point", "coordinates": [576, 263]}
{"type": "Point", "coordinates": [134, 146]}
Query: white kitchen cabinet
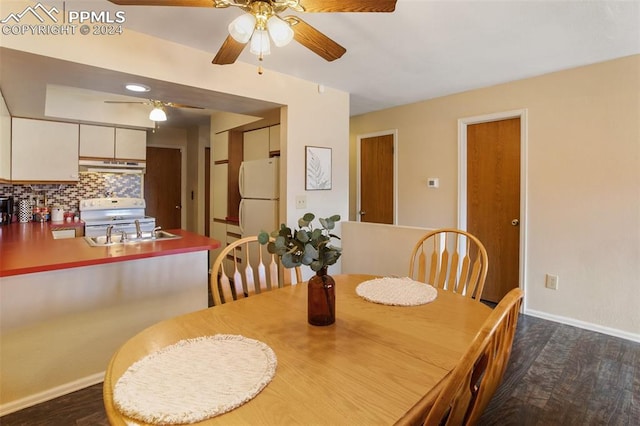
{"type": "Point", "coordinates": [131, 144]}
{"type": "Point", "coordinates": [221, 146]}
{"type": "Point", "coordinates": [274, 138]}
{"type": "Point", "coordinates": [218, 232]}
{"type": "Point", "coordinates": [44, 151]}
{"type": "Point", "coordinates": [97, 141]}
{"type": "Point", "coordinates": [112, 143]}
{"type": "Point", "coordinates": [256, 144]}
{"type": "Point", "coordinates": [220, 183]}
{"type": "Point", "coordinates": [5, 141]}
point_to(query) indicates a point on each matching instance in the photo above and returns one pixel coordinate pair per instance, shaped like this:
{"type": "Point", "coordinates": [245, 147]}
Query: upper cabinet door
{"type": "Point", "coordinates": [274, 139]}
{"type": "Point", "coordinates": [44, 151]}
{"type": "Point", "coordinates": [256, 144]}
{"type": "Point", "coordinates": [97, 141]}
{"type": "Point", "coordinates": [131, 144]}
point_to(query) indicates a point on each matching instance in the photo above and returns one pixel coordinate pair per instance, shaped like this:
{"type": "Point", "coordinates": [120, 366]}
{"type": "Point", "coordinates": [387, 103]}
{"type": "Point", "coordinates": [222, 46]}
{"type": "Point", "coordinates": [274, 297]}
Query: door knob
{"type": "Point", "coordinates": [178, 207]}
{"type": "Point", "coordinates": [515, 222]}
{"type": "Point", "coordinates": [362, 213]}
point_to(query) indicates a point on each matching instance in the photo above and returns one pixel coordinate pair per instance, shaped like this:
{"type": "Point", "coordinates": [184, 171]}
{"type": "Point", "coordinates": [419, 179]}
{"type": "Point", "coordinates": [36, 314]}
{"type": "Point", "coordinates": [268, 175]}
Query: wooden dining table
{"type": "Point", "coordinates": [369, 367]}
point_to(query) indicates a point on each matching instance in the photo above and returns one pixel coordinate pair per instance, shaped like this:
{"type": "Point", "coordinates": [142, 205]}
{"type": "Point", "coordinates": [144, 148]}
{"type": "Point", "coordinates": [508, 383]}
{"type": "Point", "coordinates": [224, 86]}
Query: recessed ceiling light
{"type": "Point", "coordinates": [135, 87]}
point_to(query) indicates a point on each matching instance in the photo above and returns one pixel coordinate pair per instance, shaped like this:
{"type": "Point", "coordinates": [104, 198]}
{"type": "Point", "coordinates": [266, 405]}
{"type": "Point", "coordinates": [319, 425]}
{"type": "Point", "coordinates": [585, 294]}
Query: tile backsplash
{"type": "Point", "coordinates": [90, 185]}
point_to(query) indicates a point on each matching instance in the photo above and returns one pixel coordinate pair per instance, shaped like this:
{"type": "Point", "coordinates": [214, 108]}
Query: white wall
{"type": "Point", "coordinates": [583, 184]}
{"type": "Point", "coordinates": [363, 252]}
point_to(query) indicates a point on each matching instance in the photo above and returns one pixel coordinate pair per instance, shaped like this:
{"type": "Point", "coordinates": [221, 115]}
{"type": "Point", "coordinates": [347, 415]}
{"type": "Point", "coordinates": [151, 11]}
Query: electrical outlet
{"type": "Point", "coordinates": [551, 281]}
{"type": "Point", "coordinates": [301, 202]}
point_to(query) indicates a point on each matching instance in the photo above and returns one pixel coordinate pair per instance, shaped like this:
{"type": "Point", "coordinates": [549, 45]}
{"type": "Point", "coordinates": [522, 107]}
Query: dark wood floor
{"type": "Point", "coordinates": [557, 375]}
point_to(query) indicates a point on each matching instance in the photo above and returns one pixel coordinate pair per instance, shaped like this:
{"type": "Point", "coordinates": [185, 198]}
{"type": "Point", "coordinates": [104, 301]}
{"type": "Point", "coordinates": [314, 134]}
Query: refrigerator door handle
{"type": "Point", "coordinates": [241, 216]}
{"type": "Point", "coordinates": [241, 180]}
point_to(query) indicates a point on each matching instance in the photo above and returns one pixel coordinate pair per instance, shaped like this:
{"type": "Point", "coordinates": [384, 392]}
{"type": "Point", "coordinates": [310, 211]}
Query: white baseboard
{"type": "Point", "coordinates": [585, 325]}
{"type": "Point", "coordinates": [52, 393]}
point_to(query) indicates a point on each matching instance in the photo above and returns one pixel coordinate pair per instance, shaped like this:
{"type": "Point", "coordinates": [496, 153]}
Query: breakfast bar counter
{"type": "Point", "coordinates": [30, 247]}
{"type": "Point", "coordinates": [66, 306]}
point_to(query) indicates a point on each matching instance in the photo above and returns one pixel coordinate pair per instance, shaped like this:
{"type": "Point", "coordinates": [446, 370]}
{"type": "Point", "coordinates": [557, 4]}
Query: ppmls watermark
{"type": "Point", "coordinates": [42, 20]}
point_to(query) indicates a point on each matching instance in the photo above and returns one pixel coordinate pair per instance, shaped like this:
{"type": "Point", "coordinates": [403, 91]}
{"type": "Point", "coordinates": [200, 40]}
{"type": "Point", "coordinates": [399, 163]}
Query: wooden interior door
{"type": "Point", "coordinates": [162, 183]}
{"type": "Point", "coordinates": [493, 200]}
{"type": "Point", "coordinates": [376, 179]}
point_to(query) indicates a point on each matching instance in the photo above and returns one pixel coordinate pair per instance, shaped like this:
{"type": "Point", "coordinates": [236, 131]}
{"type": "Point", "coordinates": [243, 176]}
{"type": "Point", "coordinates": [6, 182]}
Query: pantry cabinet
{"type": "Point", "coordinates": [43, 151]}
{"type": "Point", "coordinates": [112, 143]}
{"type": "Point", "coordinates": [220, 173]}
{"type": "Point", "coordinates": [221, 180]}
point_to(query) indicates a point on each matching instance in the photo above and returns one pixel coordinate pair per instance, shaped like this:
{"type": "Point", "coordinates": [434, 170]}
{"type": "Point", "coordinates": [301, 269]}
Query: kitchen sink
{"type": "Point", "coordinates": [116, 238]}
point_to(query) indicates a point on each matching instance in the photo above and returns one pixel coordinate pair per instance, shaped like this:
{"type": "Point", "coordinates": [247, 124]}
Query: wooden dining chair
{"type": "Point", "coordinates": [462, 396]}
{"type": "Point", "coordinates": [244, 268]}
{"type": "Point", "coordinates": [450, 259]}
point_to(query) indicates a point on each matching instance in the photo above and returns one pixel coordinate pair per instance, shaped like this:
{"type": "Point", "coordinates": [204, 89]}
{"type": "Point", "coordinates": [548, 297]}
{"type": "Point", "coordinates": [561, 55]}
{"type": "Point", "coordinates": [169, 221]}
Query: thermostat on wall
{"type": "Point", "coordinates": [433, 182]}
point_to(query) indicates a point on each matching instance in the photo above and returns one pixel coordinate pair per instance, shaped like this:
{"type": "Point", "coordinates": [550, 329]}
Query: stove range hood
{"type": "Point", "coordinates": [112, 166]}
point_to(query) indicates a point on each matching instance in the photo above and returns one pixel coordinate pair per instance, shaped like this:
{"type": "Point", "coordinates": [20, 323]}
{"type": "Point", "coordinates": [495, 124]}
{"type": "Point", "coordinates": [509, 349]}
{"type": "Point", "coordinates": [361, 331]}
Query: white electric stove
{"type": "Point", "coordinates": [122, 213]}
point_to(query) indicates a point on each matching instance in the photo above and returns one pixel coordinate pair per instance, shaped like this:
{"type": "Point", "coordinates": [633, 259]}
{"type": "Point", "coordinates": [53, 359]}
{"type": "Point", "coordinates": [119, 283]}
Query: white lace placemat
{"type": "Point", "coordinates": [195, 379]}
{"type": "Point", "coordinates": [396, 291]}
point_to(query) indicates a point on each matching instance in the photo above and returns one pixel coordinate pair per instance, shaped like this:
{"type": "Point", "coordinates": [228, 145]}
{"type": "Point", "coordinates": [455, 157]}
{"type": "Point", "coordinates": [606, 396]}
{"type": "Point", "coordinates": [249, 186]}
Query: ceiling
{"type": "Point", "coordinates": [425, 49]}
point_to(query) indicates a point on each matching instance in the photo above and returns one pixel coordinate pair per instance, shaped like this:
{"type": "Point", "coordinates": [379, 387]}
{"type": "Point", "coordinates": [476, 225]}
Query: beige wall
{"type": "Point", "coordinates": [583, 183]}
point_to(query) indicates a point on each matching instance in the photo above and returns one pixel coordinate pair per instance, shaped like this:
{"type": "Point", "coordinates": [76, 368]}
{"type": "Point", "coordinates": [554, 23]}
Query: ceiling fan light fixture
{"type": "Point", "coordinates": [260, 44]}
{"type": "Point", "coordinates": [280, 31]}
{"type": "Point", "coordinates": [157, 114]}
{"type": "Point", "coordinates": [242, 27]}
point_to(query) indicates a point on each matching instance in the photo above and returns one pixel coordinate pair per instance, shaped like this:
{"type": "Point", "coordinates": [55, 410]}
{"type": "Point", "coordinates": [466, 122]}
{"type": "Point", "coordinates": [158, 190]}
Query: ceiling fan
{"type": "Point", "coordinates": [158, 112]}
{"type": "Point", "coordinates": [262, 22]}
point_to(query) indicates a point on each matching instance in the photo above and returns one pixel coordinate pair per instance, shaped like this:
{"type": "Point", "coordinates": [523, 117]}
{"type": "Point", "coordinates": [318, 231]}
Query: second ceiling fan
{"type": "Point", "coordinates": [262, 22]}
{"type": "Point", "coordinates": [158, 112]}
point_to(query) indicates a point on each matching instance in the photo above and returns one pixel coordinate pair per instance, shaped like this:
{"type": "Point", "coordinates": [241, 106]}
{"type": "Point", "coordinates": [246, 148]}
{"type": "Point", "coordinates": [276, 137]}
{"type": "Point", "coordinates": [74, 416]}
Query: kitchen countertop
{"type": "Point", "coordinates": [30, 247]}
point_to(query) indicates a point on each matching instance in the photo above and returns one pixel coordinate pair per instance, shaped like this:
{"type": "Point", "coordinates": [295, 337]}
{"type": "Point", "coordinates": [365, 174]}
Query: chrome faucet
{"type": "Point", "coordinates": [138, 229]}
{"type": "Point", "coordinates": [123, 236]}
{"type": "Point", "coordinates": [155, 231]}
{"type": "Point", "coordinates": [109, 229]}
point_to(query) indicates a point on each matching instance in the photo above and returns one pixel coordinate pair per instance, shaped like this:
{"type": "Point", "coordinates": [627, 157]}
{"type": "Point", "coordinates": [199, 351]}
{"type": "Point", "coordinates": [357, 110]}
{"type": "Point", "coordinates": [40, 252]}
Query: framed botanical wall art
{"type": "Point", "coordinates": [318, 168]}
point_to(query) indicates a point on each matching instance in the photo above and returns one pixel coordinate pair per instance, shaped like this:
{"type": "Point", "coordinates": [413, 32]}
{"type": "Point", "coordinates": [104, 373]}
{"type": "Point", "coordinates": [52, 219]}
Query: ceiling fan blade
{"type": "Point", "coordinates": [174, 105]}
{"type": "Point", "coordinates": [127, 102]}
{"type": "Point", "coordinates": [348, 5]}
{"type": "Point", "coordinates": [186, 3]}
{"type": "Point", "coordinates": [229, 52]}
{"type": "Point", "coordinates": [314, 40]}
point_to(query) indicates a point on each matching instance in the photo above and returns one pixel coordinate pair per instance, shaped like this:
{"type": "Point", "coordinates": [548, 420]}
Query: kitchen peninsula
{"type": "Point", "coordinates": [65, 306]}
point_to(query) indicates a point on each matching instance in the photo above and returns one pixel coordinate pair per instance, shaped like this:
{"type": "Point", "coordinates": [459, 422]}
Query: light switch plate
{"type": "Point", "coordinates": [551, 281]}
{"type": "Point", "coordinates": [433, 182]}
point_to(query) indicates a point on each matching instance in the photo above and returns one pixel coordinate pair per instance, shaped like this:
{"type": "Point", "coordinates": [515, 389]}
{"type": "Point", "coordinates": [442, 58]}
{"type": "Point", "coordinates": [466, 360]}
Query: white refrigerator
{"type": "Point", "coordinates": [259, 191]}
